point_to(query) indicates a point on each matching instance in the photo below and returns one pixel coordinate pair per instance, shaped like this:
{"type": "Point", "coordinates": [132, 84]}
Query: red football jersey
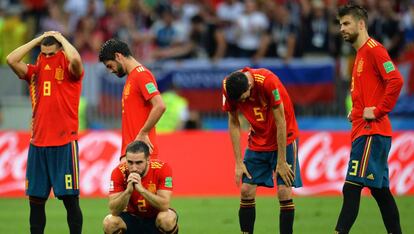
{"type": "Point", "coordinates": [55, 94]}
{"type": "Point", "coordinates": [159, 177]}
{"type": "Point", "coordinates": [377, 82]}
{"type": "Point", "coordinates": [267, 92]}
{"type": "Point", "coordinates": [139, 88]}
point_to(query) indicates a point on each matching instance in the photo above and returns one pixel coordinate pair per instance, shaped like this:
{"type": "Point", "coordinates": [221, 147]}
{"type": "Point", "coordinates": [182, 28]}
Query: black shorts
{"type": "Point", "coordinates": [139, 225]}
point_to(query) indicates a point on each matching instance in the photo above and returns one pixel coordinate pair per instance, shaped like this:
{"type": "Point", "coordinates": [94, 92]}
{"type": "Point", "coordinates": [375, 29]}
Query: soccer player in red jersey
{"type": "Point", "coordinates": [144, 186]}
{"type": "Point", "coordinates": [55, 89]}
{"type": "Point", "coordinates": [375, 86]}
{"type": "Point", "coordinates": [272, 148]}
{"type": "Point", "coordinates": [142, 104]}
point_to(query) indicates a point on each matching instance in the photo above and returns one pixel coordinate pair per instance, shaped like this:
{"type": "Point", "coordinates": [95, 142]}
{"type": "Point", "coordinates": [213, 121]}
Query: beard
{"type": "Point", "coordinates": [143, 171]}
{"type": "Point", "coordinates": [350, 37]}
{"type": "Point", "coordinates": [120, 72]}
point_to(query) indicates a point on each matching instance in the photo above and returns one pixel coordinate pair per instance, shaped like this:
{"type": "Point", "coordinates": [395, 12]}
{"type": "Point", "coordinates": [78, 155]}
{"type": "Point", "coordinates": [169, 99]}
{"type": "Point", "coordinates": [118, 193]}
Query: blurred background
{"type": "Point", "coordinates": [191, 45]}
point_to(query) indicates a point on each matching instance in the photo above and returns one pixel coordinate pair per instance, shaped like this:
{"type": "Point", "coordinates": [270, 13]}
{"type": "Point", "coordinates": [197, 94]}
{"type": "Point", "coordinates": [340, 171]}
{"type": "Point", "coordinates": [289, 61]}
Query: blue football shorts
{"type": "Point", "coordinates": [368, 163]}
{"type": "Point", "coordinates": [261, 166]}
{"type": "Point", "coordinates": [53, 166]}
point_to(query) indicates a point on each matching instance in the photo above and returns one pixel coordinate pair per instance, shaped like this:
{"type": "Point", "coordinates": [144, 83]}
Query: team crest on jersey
{"type": "Point", "coordinates": [152, 188]}
{"type": "Point", "coordinates": [47, 67]}
{"type": "Point", "coordinates": [127, 90]}
{"type": "Point", "coordinates": [360, 67]}
{"type": "Point", "coordinates": [59, 74]}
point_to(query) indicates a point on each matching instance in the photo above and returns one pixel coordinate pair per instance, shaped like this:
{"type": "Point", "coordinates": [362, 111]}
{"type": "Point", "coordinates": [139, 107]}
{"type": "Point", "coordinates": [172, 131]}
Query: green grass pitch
{"type": "Point", "coordinates": [216, 215]}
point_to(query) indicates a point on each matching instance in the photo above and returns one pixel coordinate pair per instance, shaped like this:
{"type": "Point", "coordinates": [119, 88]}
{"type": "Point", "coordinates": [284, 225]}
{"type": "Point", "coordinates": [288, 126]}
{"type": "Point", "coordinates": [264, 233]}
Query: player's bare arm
{"type": "Point", "coordinates": [14, 59]}
{"type": "Point", "coordinates": [75, 61]}
{"type": "Point", "coordinates": [282, 168]}
{"type": "Point", "coordinates": [118, 201]}
{"type": "Point", "coordinates": [158, 108]}
{"type": "Point", "coordinates": [234, 130]}
{"type": "Point", "coordinates": [160, 200]}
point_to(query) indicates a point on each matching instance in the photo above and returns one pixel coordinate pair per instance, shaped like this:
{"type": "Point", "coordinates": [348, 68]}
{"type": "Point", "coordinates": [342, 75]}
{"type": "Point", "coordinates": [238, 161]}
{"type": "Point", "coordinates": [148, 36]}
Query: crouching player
{"type": "Point", "coordinates": [144, 187]}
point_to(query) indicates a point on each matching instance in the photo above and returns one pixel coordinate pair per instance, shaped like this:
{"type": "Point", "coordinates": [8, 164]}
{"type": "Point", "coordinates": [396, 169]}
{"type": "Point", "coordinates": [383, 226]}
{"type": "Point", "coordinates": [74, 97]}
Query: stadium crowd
{"type": "Point", "coordinates": [162, 30]}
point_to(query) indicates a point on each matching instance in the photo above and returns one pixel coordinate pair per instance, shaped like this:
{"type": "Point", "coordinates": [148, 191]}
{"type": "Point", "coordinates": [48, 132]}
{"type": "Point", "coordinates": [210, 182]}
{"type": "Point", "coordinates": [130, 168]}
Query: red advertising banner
{"type": "Point", "coordinates": [203, 163]}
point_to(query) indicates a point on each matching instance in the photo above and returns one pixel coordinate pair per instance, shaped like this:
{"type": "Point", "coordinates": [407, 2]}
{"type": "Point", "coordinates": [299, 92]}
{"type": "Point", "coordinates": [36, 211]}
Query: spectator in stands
{"type": "Point", "coordinates": [251, 27]}
{"type": "Point", "coordinates": [126, 28]}
{"type": "Point", "coordinates": [76, 9]}
{"type": "Point", "coordinates": [407, 23]}
{"type": "Point", "coordinates": [280, 39]}
{"type": "Point", "coordinates": [34, 11]}
{"type": "Point", "coordinates": [206, 39]}
{"type": "Point", "coordinates": [228, 12]}
{"type": "Point", "coordinates": [168, 35]}
{"type": "Point", "coordinates": [385, 27]}
{"type": "Point", "coordinates": [88, 39]}
{"type": "Point", "coordinates": [315, 34]}
{"type": "Point", "coordinates": [55, 20]}
{"type": "Point", "coordinates": [13, 32]}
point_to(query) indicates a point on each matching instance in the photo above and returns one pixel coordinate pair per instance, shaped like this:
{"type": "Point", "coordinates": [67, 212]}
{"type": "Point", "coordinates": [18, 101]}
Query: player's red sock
{"type": "Point", "coordinates": [247, 215]}
{"type": "Point", "coordinates": [286, 216]}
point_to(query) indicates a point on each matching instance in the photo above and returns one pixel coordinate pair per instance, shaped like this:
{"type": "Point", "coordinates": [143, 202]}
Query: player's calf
{"type": "Point", "coordinates": [167, 221]}
{"type": "Point", "coordinates": [37, 214]}
{"type": "Point", "coordinates": [114, 225]}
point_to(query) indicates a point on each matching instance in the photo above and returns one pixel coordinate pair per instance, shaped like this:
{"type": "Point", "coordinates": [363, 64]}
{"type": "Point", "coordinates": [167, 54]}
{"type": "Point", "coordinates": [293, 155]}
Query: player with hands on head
{"type": "Point", "coordinates": [260, 96]}
{"type": "Point", "coordinates": [55, 87]}
{"type": "Point", "coordinates": [144, 187]}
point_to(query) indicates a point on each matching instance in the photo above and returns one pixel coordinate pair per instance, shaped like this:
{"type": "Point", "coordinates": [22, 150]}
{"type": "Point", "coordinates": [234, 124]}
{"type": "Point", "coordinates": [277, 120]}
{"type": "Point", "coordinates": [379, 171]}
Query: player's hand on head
{"type": "Point", "coordinates": [285, 172]}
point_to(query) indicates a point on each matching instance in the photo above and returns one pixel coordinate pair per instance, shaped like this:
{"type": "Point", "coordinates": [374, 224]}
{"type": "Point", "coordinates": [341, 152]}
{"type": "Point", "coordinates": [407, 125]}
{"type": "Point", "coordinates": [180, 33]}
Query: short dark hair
{"type": "Point", "coordinates": [112, 46]}
{"type": "Point", "coordinates": [236, 85]}
{"type": "Point", "coordinates": [50, 40]}
{"type": "Point", "coordinates": [138, 147]}
{"type": "Point", "coordinates": [356, 11]}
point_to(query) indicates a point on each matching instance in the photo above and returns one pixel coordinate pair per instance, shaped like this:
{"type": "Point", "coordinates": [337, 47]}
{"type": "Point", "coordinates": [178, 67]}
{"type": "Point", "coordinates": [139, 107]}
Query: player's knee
{"type": "Point", "coordinates": [284, 192]}
{"type": "Point", "coordinates": [37, 200]}
{"type": "Point", "coordinates": [113, 224]}
{"type": "Point", "coordinates": [380, 192]}
{"type": "Point", "coordinates": [349, 189]}
{"type": "Point", "coordinates": [247, 192]}
{"type": "Point", "coordinates": [166, 220]}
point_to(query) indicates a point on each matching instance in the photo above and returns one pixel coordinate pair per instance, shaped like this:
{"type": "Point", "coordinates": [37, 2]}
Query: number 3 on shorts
{"type": "Point", "coordinates": [354, 168]}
